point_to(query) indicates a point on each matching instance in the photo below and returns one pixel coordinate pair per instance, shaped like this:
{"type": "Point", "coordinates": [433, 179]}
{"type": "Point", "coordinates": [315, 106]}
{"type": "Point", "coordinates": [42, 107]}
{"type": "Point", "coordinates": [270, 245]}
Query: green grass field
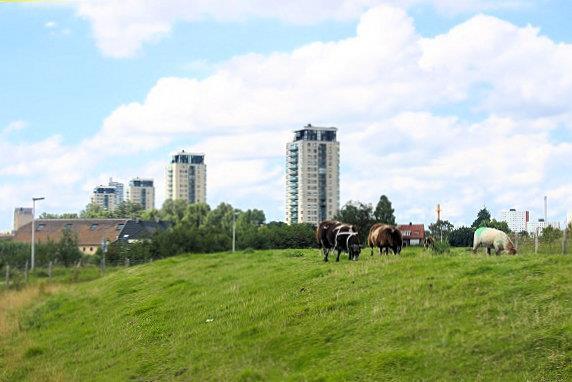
{"type": "Point", "coordinates": [286, 315]}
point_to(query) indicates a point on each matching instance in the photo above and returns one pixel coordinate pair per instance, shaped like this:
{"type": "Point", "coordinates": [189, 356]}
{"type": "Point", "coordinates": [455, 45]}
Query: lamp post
{"type": "Point", "coordinates": [233, 230]}
{"type": "Point", "coordinates": [34, 200]}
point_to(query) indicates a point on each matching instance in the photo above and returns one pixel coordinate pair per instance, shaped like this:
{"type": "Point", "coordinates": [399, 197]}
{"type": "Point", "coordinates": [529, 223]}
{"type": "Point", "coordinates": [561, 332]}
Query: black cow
{"type": "Point", "coordinates": [335, 235]}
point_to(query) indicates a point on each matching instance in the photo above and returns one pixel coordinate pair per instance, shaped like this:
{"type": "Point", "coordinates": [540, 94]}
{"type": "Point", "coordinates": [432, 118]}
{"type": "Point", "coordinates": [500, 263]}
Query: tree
{"type": "Point", "coordinates": [551, 234]}
{"type": "Point", "coordinates": [483, 217]}
{"type": "Point", "coordinates": [383, 211]}
{"type": "Point", "coordinates": [196, 214]}
{"type": "Point", "coordinates": [503, 226]}
{"type": "Point", "coordinates": [461, 237]}
{"type": "Point", "coordinates": [358, 214]}
{"type": "Point", "coordinates": [441, 229]}
{"type": "Point", "coordinates": [67, 248]}
{"type": "Point", "coordinates": [65, 215]}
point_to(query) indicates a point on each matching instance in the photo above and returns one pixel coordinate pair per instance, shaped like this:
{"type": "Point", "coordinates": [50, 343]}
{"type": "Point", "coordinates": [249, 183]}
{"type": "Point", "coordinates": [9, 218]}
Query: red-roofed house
{"type": "Point", "coordinates": [413, 234]}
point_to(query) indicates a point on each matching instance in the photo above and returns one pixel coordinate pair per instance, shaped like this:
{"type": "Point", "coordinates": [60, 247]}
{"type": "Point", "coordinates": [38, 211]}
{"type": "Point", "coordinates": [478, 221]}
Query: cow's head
{"type": "Point", "coordinates": [354, 250]}
{"type": "Point", "coordinates": [510, 249]}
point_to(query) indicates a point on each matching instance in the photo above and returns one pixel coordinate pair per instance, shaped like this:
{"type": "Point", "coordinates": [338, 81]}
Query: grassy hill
{"type": "Point", "coordinates": [285, 315]}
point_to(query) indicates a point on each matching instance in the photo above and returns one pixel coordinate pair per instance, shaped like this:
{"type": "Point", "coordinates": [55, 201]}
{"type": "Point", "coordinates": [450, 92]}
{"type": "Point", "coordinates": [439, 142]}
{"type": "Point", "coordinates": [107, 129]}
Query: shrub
{"type": "Point", "coordinates": [441, 247]}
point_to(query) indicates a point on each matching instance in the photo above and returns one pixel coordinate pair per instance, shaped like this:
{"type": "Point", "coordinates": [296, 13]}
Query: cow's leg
{"type": "Point", "coordinates": [326, 252]}
{"type": "Point", "coordinates": [371, 250]}
{"type": "Point", "coordinates": [338, 257]}
{"type": "Point", "coordinates": [488, 250]}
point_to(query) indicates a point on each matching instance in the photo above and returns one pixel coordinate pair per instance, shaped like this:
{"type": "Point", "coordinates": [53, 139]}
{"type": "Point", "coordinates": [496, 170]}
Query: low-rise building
{"type": "Point", "coordinates": [536, 227]}
{"type": "Point", "coordinates": [413, 234]}
{"type": "Point", "coordinates": [91, 233]}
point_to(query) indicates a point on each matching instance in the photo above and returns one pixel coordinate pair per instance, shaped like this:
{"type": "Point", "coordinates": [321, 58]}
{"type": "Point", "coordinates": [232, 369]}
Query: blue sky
{"type": "Point", "coordinates": [68, 69]}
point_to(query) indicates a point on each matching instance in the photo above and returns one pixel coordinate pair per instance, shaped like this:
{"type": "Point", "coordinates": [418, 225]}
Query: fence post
{"type": "Point", "coordinates": [7, 276]}
{"type": "Point", "coordinates": [102, 262]}
{"type": "Point", "coordinates": [50, 271]}
{"type": "Point", "coordinates": [26, 272]}
{"type": "Point", "coordinates": [126, 261]}
{"type": "Point", "coordinates": [564, 242]}
{"type": "Point", "coordinates": [536, 243]}
{"type": "Point", "coordinates": [516, 241]}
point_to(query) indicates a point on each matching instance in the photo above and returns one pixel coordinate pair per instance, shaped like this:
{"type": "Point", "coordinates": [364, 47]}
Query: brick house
{"type": "Point", "coordinates": [413, 234]}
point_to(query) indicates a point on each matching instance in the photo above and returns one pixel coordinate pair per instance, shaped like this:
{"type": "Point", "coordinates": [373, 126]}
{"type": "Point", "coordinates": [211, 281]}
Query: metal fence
{"type": "Point", "coordinates": [560, 244]}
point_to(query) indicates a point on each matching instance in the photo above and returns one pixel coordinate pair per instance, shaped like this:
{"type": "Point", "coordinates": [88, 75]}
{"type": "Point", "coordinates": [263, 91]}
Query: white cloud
{"type": "Point", "coordinates": [15, 126]}
{"type": "Point", "coordinates": [121, 27]}
{"type": "Point", "coordinates": [465, 118]}
{"type": "Point", "coordinates": [50, 24]}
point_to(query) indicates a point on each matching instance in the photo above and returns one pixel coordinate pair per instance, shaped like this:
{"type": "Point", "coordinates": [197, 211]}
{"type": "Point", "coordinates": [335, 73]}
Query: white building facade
{"type": "Point", "coordinates": [186, 177]}
{"type": "Point", "coordinates": [517, 221]}
{"type": "Point", "coordinates": [312, 175]}
{"type": "Point", "coordinates": [142, 192]}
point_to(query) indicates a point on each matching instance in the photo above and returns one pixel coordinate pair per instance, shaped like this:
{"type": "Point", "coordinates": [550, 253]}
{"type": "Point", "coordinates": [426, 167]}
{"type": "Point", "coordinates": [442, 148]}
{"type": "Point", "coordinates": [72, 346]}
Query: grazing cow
{"type": "Point", "coordinates": [385, 236]}
{"type": "Point", "coordinates": [492, 238]}
{"type": "Point", "coordinates": [429, 242]}
{"type": "Point", "coordinates": [335, 235]}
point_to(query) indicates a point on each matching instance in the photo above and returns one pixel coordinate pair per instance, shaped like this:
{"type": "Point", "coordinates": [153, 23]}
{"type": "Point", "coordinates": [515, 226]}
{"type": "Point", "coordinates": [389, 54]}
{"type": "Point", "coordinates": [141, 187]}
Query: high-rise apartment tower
{"type": "Point", "coordinates": [142, 192]}
{"type": "Point", "coordinates": [105, 197]}
{"type": "Point", "coordinates": [312, 175]}
{"type": "Point", "coordinates": [187, 177]}
{"type": "Point", "coordinates": [118, 191]}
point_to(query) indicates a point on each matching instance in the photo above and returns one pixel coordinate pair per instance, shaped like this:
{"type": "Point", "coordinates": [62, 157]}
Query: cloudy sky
{"type": "Point", "coordinates": [463, 103]}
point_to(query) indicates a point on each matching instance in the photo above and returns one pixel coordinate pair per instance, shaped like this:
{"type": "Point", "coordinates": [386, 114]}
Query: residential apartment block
{"type": "Point", "coordinates": [142, 192]}
{"type": "Point", "coordinates": [312, 175]}
{"type": "Point", "coordinates": [119, 198]}
{"type": "Point", "coordinates": [517, 221]}
{"type": "Point", "coordinates": [186, 177]}
{"type": "Point", "coordinates": [105, 197]}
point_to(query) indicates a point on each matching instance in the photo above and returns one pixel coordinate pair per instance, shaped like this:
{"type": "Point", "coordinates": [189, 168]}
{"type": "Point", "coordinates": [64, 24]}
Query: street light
{"type": "Point", "coordinates": [233, 230]}
{"type": "Point", "coordinates": [34, 200]}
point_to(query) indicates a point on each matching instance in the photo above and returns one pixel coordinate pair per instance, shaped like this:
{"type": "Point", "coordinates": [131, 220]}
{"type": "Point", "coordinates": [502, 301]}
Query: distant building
{"type": "Point", "coordinates": [536, 227]}
{"type": "Point", "coordinates": [142, 192]}
{"type": "Point", "coordinates": [517, 221]}
{"type": "Point", "coordinates": [119, 189]}
{"type": "Point", "coordinates": [22, 216]}
{"type": "Point", "coordinates": [413, 234]}
{"type": "Point", "coordinates": [105, 197]}
{"type": "Point", "coordinates": [187, 177]}
{"type": "Point", "coordinates": [312, 175]}
{"type": "Point", "coordinates": [91, 233]}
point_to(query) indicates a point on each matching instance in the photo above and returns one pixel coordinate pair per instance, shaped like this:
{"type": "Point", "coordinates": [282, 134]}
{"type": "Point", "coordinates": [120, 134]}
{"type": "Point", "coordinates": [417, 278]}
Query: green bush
{"type": "Point", "coordinates": [441, 247]}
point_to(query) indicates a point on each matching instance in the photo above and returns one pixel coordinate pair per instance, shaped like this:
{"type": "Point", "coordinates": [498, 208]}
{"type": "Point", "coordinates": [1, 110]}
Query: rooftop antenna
{"type": "Point", "coordinates": [438, 210]}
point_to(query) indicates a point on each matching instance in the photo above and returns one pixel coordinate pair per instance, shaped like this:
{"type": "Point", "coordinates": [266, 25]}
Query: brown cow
{"type": "Point", "coordinates": [385, 236]}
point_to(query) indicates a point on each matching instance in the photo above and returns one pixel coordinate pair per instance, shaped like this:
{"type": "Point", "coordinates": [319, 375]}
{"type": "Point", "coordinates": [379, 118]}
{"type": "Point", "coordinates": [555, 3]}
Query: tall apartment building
{"type": "Point", "coordinates": [119, 198]}
{"type": "Point", "coordinates": [22, 216]}
{"type": "Point", "coordinates": [187, 177]}
{"type": "Point", "coordinates": [105, 197]}
{"type": "Point", "coordinates": [312, 175]}
{"type": "Point", "coordinates": [517, 221]}
{"type": "Point", "coordinates": [142, 192]}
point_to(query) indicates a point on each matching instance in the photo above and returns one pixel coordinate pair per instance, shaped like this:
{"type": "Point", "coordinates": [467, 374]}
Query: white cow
{"type": "Point", "coordinates": [492, 238]}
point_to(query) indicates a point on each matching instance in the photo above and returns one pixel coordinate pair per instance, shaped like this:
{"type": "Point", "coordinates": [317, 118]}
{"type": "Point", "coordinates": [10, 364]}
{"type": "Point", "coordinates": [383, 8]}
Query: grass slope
{"type": "Point", "coordinates": [285, 315]}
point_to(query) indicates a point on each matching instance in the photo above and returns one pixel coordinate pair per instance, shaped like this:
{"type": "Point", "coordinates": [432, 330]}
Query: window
{"type": "Point", "coordinates": [93, 227]}
{"type": "Point", "coordinates": [91, 249]}
{"type": "Point", "coordinates": [68, 226]}
{"type": "Point", "coordinates": [40, 227]}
